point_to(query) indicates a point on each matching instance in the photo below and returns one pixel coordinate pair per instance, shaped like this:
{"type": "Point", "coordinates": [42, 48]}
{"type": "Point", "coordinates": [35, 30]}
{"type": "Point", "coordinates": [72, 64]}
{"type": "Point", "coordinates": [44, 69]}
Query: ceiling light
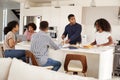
{"type": "Point", "coordinates": [57, 4]}
{"type": "Point", "coordinates": [93, 4]}
{"type": "Point", "coordinates": [27, 4]}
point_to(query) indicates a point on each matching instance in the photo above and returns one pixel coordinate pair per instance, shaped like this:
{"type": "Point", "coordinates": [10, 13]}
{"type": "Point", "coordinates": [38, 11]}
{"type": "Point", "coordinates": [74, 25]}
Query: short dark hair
{"type": "Point", "coordinates": [10, 26]}
{"type": "Point", "coordinates": [33, 25]}
{"type": "Point", "coordinates": [70, 15]}
{"type": "Point", "coordinates": [43, 25]}
{"type": "Point", "coordinates": [103, 24]}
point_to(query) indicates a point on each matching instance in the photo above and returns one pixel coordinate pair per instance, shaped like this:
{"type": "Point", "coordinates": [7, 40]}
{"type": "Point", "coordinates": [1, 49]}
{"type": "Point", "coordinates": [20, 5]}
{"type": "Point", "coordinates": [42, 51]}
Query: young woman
{"type": "Point", "coordinates": [31, 27]}
{"type": "Point", "coordinates": [103, 35]}
{"type": "Point", "coordinates": [10, 41]}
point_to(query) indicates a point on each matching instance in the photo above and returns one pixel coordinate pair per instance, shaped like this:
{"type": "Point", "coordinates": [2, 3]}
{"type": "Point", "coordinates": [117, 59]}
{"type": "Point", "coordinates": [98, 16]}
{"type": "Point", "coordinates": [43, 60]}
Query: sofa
{"type": "Point", "coordinates": [14, 69]}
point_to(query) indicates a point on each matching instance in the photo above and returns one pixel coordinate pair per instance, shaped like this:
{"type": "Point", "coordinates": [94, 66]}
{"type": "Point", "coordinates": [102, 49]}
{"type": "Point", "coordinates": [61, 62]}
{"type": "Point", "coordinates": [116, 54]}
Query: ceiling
{"type": "Point", "coordinates": [16, 3]}
{"type": "Point", "coordinates": [51, 2]}
{"type": "Point", "coordinates": [78, 2]}
{"type": "Point", "coordinates": [42, 1]}
{"type": "Point", "coordinates": [9, 4]}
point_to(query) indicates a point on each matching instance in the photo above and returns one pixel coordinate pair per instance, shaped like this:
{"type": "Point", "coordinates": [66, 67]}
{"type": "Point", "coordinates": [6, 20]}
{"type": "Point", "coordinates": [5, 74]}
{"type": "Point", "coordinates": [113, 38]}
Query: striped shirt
{"type": "Point", "coordinates": [40, 42]}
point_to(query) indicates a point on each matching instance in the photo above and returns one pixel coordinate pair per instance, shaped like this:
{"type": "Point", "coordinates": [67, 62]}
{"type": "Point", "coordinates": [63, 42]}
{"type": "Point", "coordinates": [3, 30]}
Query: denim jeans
{"type": "Point", "coordinates": [56, 64]}
{"type": "Point", "coordinates": [19, 54]}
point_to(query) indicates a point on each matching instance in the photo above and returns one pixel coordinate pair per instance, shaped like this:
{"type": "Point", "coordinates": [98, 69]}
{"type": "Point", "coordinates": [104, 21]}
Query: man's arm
{"type": "Point", "coordinates": [93, 43]}
{"type": "Point", "coordinates": [52, 44]}
{"type": "Point", "coordinates": [64, 34]}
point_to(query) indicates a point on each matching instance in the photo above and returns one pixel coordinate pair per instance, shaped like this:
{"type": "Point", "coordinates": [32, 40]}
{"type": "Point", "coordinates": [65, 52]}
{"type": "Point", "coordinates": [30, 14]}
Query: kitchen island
{"type": "Point", "coordinates": [99, 59]}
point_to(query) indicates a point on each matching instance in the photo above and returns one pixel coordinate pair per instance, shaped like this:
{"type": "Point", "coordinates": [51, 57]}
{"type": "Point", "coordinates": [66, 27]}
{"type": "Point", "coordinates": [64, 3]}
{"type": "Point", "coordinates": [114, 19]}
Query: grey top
{"type": "Point", "coordinates": [40, 42]}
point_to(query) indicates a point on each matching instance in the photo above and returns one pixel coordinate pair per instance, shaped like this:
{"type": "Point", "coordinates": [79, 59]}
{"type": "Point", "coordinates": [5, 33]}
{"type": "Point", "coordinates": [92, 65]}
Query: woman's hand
{"type": "Point", "coordinates": [63, 36]}
{"type": "Point", "coordinates": [18, 41]}
{"type": "Point", "coordinates": [67, 41]}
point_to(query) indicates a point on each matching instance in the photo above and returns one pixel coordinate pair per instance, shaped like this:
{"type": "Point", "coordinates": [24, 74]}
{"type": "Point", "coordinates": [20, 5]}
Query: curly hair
{"type": "Point", "coordinates": [103, 24]}
{"type": "Point", "coordinates": [10, 26]}
{"type": "Point", "coordinates": [33, 25]}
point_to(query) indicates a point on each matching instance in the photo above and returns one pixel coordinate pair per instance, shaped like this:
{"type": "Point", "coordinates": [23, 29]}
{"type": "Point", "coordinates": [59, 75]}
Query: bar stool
{"type": "Point", "coordinates": [2, 50]}
{"type": "Point", "coordinates": [77, 57]}
{"type": "Point", "coordinates": [30, 56]}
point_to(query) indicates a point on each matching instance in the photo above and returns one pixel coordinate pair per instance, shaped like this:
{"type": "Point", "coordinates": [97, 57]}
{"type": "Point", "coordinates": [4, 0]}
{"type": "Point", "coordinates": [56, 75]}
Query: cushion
{"type": "Point", "coordinates": [22, 71]}
{"type": "Point", "coordinates": [4, 68]}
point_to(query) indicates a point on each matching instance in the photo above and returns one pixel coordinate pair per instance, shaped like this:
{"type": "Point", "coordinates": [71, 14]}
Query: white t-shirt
{"type": "Point", "coordinates": [102, 37]}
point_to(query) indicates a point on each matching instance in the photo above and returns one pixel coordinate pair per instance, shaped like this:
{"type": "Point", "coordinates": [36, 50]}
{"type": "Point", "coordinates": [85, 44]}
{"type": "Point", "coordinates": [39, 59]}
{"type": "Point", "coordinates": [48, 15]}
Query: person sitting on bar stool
{"type": "Point", "coordinates": [10, 42]}
{"type": "Point", "coordinates": [40, 43]}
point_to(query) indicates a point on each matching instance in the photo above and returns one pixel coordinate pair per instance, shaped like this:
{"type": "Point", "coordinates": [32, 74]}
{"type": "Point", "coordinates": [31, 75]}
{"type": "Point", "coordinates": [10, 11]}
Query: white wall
{"type": "Point", "coordinates": [85, 15]}
{"type": "Point", "coordinates": [8, 16]}
{"type": "Point", "coordinates": [91, 14]}
{"type": "Point", "coordinates": [55, 16]}
{"type": "Point", "coordinates": [11, 16]}
{"type": "Point", "coordinates": [1, 20]}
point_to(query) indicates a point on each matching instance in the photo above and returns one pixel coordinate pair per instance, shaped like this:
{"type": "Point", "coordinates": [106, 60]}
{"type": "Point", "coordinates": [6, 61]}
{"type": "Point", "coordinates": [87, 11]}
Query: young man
{"type": "Point", "coordinates": [73, 30]}
{"type": "Point", "coordinates": [40, 43]}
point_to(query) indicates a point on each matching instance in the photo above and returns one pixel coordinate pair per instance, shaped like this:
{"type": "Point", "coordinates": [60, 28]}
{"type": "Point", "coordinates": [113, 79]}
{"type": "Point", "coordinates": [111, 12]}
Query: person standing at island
{"type": "Point", "coordinates": [103, 35]}
{"type": "Point", "coordinates": [73, 30]}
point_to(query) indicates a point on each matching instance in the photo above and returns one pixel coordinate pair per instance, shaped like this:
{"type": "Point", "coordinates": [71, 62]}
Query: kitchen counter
{"type": "Point", "coordinates": [99, 59]}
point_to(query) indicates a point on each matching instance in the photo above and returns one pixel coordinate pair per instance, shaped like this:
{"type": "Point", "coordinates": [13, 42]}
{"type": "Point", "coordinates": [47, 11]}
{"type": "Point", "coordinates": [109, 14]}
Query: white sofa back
{"type": "Point", "coordinates": [22, 71]}
{"type": "Point", "coordinates": [5, 64]}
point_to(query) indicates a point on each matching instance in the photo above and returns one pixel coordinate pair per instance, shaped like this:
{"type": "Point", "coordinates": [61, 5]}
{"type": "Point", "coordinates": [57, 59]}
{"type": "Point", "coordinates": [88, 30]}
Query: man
{"type": "Point", "coordinates": [73, 30]}
{"type": "Point", "coordinates": [40, 43]}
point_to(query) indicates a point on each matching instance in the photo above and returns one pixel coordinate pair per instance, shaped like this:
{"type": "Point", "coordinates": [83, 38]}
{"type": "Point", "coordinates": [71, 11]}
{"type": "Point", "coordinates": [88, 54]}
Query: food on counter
{"type": "Point", "coordinates": [88, 46]}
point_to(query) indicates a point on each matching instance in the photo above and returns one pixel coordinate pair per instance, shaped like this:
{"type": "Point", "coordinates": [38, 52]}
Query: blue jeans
{"type": "Point", "coordinates": [19, 54]}
{"type": "Point", "coordinates": [56, 64]}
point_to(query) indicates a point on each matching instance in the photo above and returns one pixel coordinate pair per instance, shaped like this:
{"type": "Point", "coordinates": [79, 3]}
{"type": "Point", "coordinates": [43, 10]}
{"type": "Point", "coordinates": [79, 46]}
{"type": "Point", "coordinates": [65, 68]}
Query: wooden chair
{"type": "Point", "coordinates": [30, 56]}
{"type": "Point", "coordinates": [81, 58]}
{"type": "Point", "coordinates": [2, 51]}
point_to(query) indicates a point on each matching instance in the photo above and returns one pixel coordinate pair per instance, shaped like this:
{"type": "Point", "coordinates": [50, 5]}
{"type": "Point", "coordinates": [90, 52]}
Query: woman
{"type": "Point", "coordinates": [31, 27]}
{"type": "Point", "coordinates": [103, 35]}
{"type": "Point", "coordinates": [10, 41]}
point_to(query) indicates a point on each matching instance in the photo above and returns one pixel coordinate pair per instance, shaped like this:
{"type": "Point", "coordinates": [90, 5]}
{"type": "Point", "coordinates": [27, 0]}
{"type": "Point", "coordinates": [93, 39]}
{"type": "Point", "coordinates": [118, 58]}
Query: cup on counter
{"type": "Point", "coordinates": [63, 42]}
{"type": "Point", "coordinates": [78, 44]}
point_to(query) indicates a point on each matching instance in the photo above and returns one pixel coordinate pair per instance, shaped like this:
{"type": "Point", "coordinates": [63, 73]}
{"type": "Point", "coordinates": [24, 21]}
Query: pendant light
{"type": "Point", "coordinates": [93, 4]}
{"type": "Point", "coordinates": [27, 4]}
